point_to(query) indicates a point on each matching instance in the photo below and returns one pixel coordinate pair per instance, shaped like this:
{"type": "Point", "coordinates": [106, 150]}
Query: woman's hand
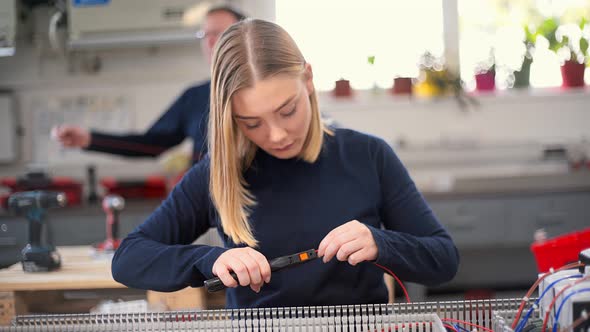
{"type": "Point", "coordinates": [251, 267]}
{"type": "Point", "coordinates": [71, 136]}
{"type": "Point", "coordinates": [352, 242]}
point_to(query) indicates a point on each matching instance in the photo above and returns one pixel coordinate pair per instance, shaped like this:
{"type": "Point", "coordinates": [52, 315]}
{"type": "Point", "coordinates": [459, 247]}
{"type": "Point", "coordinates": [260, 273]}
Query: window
{"type": "Point", "coordinates": [338, 36]}
{"type": "Point", "coordinates": [498, 25]}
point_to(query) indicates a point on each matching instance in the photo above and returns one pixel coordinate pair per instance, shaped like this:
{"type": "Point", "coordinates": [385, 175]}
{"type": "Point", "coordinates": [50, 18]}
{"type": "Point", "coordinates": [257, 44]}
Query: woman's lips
{"type": "Point", "coordinates": [286, 147]}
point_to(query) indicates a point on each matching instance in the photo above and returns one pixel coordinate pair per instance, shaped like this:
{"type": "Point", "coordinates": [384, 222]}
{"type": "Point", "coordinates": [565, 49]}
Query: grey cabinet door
{"type": "Point", "coordinates": [472, 222]}
{"type": "Point", "coordinates": [13, 238]}
{"type": "Point", "coordinates": [556, 213]}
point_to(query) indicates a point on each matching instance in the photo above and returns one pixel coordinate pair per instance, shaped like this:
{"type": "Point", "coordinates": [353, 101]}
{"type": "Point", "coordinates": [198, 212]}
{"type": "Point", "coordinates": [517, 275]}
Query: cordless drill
{"type": "Point", "coordinates": [112, 206]}
{"type": "Point", "coordinates": [33, 204]}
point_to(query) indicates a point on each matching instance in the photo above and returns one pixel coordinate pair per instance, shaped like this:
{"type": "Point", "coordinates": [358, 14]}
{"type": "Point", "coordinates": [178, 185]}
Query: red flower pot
{"type": "Point", "coordinates": [572, 74]}
{"type": "Point", "coordinates": [342, 89]}
{"type": "Point", "coordinates": [402, 86]}
{"type": "Point", "coordinates": [485, 81]}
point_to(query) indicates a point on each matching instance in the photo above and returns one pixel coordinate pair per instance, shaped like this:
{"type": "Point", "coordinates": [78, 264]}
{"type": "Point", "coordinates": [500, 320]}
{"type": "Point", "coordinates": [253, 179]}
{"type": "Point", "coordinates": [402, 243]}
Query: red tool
{"type": "Point", "coordinates": [112, 206]}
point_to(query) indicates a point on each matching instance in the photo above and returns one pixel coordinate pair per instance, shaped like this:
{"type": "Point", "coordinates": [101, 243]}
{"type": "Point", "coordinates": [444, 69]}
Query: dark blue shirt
{"type": "Point", "coordinates": [356, 176]}
{"type": "Point", "coordinates": [186, 117]}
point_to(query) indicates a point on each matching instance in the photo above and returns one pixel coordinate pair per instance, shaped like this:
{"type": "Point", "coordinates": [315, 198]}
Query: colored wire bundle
{"type": "Point", "coordinates": [546, 319]}
{"type": "Point", "coordinates": [535, 285]}
{"type": "Point", "coordinates": [527, 316]}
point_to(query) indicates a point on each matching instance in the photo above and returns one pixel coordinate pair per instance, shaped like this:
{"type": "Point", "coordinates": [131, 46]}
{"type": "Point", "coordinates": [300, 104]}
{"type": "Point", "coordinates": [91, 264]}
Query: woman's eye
{"type": "Point", "coordinates": [252, 125]}
{"type": "Point", "coordinates": [291, 112]}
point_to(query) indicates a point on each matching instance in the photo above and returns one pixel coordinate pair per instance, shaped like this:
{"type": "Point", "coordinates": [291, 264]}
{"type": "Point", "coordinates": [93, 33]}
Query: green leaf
{"type": "Point", "coordinates": [547, 29]}
{"type": "Point", "coordinates": [583, 23]}
{"type": "Point", "coordinates": [530, 37]}
{"type": "Point", "coordinates": [371, 59]}
{"type": "Point", "coordinates": [584, 46]}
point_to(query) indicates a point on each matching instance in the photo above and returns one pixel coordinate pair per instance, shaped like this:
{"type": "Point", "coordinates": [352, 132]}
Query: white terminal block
{"type": "Point", "coordinates": [548, 297]}
{"type": "Point", "coordinates": [576, 298]}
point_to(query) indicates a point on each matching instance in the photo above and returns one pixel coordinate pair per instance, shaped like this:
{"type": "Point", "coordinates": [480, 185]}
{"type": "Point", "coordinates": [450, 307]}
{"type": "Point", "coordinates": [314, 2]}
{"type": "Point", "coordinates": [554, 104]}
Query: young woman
{"type": "Point", "coordinates": [277, 182]}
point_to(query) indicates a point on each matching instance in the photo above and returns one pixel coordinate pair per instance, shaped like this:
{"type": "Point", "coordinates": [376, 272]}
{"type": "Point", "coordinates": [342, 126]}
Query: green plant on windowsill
{"type": "Point", "coordinates": [576, 49]}
{"type": "Point", "coordinates": [572, 50]}
{"type": "Point", "coordinates": [522, 75]}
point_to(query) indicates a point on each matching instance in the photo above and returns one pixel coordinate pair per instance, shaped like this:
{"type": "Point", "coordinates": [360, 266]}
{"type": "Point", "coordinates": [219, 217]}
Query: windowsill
{"type": "Point", "coordinates": [384, 97]}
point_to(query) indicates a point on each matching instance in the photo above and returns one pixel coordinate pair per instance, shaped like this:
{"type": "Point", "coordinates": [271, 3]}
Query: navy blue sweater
{"type": "Point", "coordinates": [186, 117]}
{"type": "Point", "coordinates": [357, 176]}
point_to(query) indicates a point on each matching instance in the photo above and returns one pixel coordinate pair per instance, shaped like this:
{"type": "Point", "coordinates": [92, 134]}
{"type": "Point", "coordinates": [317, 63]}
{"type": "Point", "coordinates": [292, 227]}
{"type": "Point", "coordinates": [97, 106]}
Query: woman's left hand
{"type": "Point", "coordinates": [352, 242]}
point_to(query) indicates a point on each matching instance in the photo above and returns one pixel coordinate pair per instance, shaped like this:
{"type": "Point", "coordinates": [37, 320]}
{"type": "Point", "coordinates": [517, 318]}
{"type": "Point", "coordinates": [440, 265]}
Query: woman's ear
{"type": "Point", "coordinates": [309, 78]}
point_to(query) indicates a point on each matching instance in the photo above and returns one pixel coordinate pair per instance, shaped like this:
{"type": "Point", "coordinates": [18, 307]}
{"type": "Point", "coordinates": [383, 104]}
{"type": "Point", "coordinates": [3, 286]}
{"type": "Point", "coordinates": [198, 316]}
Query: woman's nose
{"type": "Point", "coordinates": [277, 134]}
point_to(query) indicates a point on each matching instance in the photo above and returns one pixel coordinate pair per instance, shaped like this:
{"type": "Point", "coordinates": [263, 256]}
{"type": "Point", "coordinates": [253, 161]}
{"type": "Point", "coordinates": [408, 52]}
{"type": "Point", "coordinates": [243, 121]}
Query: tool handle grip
{"type": "Point", "coordinates": [279, 263]}
{"type": "Point", "coordinates": [215, 284]}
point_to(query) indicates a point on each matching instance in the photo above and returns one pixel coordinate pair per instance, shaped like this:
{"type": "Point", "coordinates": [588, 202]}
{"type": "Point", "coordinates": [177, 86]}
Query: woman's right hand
{"type": "Point", "coordinates": [71, 136]}
{"type": "Point", "coordinates": [251, 267]}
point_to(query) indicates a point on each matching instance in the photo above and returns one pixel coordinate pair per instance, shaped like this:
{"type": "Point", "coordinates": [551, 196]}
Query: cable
{"type": "Point", "coordinates": [556, 319]}
{"type": "Point", "coordinates": [397, 279]}
{"type": "Point", "coordinates": [583, 317]}
{"type": "Point", "coordinates": [546, 319]}
{"type": "Point", "coordinates": [534, 286]}
{"type": "Point", "coordinates": [466, 323]}
{"type": "Point", "coordinates": [459, 327]}
{"type": "Point", "coordinates": [450, 327]}
{"type": "Point", "coordinates": [526, 318]}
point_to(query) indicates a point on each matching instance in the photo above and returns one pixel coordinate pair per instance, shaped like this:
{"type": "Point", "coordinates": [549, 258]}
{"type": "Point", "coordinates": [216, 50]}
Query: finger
{"type": "Point", "coordinates": [240, 270]}
{"type": "Point", "coordinates": [358, 257]}
{"type": "Point", "coordinates": [222, 271]}
{"type": "Point", "coordinates": [336, 243]}
{"type": "Point", "coordinates": [252, 269]}
{"type": "Point", "coordinates": [329, 237]}
{"type": "Point", "coordinates": [263, 265]}
{"type": "Point", "coordinates": [349, 248]}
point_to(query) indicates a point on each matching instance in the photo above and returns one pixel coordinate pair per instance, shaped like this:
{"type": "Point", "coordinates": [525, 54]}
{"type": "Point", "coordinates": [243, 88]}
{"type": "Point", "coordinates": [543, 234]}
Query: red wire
{"type": "Point", "coordinates": [398, 281]}
{"type": "Point", "coordinates": [396, 278]}
{"type": "Point", "coordinates": [466, 323]}
{"type": "Point", "coordinates": [450, 327]}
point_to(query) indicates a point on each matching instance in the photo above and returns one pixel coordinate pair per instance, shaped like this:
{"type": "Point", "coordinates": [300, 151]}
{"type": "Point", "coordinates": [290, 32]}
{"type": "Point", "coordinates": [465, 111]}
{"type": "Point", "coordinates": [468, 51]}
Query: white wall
{"type": "Point", "coordinates": [153, 78]}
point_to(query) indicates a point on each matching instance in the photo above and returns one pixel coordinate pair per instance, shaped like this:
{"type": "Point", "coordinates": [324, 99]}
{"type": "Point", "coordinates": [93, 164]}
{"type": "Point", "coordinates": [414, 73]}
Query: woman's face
{"type": "Point", "coordinates": [275, 114]}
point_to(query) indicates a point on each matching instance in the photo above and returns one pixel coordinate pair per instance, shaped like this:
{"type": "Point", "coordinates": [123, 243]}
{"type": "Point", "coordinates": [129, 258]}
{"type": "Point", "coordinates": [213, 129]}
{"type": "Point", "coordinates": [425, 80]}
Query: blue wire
{"type": "Point", "coordinates": [529, 313]}
{"type": "Point", "coordinates": [459, 328]}
{"type": "Point", "coordinates": [583, 290]}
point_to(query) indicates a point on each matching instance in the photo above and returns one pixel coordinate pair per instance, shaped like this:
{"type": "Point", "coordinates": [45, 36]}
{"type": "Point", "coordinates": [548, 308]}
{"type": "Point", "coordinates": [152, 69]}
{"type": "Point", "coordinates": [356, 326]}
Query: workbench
{"type": "Point", "coordinates": [79, 285]}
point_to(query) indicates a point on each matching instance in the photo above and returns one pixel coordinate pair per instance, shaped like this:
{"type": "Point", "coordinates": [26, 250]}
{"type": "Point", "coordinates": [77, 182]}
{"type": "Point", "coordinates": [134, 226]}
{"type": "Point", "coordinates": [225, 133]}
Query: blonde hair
{"type": "Point", "coordinates": [249, 51]}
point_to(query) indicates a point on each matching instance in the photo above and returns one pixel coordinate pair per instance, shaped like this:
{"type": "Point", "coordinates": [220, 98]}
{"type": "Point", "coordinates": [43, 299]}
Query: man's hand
{"type": "Point", "coordinates": [71, 136]}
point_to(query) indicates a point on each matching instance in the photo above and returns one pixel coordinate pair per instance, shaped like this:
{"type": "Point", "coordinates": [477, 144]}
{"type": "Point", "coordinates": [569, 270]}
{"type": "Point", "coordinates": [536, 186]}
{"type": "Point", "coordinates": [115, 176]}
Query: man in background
{"type": "Point", "coordinates": [186, 117]}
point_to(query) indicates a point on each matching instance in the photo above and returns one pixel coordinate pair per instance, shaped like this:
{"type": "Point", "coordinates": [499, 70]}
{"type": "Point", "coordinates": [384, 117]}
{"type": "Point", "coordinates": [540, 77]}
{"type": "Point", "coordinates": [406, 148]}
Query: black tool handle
{"type": "Point", "coordinates": [215, 284]}
{"type": "Point", "coordinates": [279, 263]}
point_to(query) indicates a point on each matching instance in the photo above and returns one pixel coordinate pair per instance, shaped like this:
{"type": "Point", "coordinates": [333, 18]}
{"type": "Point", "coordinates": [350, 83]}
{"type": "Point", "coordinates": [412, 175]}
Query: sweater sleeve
{"type": "Point", "coordinates": [168, 131]}
{"type": "Point", "coordinates": [413, 244]}
{"type": "Point", "coordinates": [159, 254]}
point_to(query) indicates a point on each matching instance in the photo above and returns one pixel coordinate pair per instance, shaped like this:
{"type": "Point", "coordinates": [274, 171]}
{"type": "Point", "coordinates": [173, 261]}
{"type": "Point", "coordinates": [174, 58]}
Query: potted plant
{"type": "Point", "coordinates": [485, 74]}
{"type": "Point", "coordinates": [342, 88]}
{"type": "Point", "coordinates": [576, 52]}
{"type": "Point", "coordinates": [437, 80]}
{"type": "Point", "coordinates": [572, 50]}
{"type": "Point", "coordinates": [523, 74]}
{"type": "Point", "coordinates": [433, 79]}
